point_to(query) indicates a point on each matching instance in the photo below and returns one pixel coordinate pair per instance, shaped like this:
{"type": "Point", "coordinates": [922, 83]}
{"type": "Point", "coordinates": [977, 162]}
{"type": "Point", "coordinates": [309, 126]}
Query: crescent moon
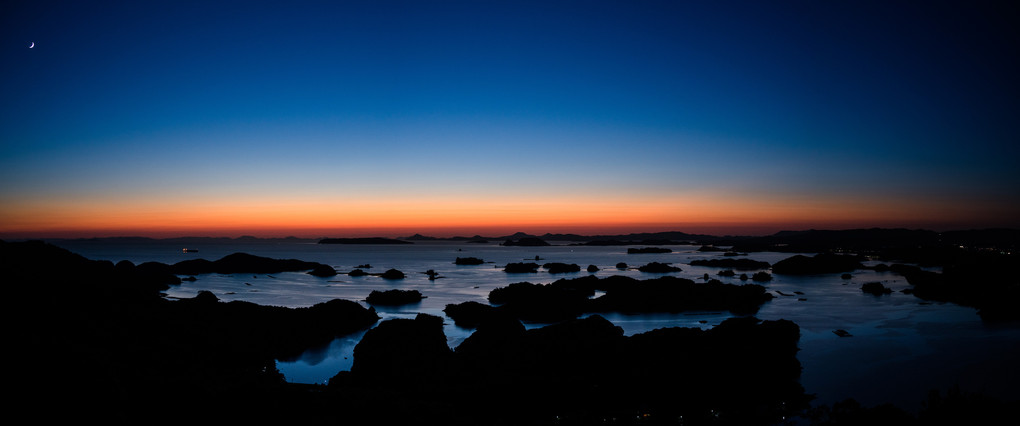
{"type": "Point", "coordinates": [33, 45]}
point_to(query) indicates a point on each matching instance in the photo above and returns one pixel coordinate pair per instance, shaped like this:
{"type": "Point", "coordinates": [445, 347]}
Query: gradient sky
{"type": "Point", "coordinates": [387, 118]}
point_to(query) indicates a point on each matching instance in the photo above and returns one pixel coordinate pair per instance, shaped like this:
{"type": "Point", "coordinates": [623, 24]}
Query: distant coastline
{"type": "Point", "coordinates": [811, 240]}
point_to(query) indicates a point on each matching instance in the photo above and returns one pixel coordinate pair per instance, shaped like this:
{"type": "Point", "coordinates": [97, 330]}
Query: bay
{"type": "Point", "coordinates": [901, 346]}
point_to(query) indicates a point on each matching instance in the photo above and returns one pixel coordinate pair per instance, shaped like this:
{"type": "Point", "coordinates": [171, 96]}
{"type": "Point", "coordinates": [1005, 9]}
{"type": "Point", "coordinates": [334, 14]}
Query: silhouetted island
{"type": "Point", "coordinates": [468, 261]}
{"type": "Point", "coordinates": [394, 297]}
{"type": "Point", "coordinates": [369, 240]}
{"type": "Point", "coordinates": [392, 274]}
{"type": "Point", "coordinates": [985, 280]}
{"type": "Point", "coordinates": [582, 371]}
{"type": "Point", "coordinates": [240, 263]}
{"type": "Point", "coordinates": [875, 288]}
{"type": "Point", "coordinates": [526, 242]}
{"type": "Point", "coordinates": [569, 298]}
{"type": "Point", "coordinates": [657, 267]}
{"type": "Point", "coordinates": [323, 271]}
{"type": "Point", "coordinates": [560, 268]}
{"type": "Point", "coordinates": [822, 263]}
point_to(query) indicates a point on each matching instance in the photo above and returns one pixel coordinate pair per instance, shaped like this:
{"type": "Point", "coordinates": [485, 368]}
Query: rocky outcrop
{"type": "Point", "coordinates": [875, 288]}
{"type": "Point", "coordinates": [468, 261]}
{"type": "Point", "coordinates": [470, 314]}
{"type": "Point", "coordinates": [567, 299]}
{"type": "Point", "coordinates": [404, 350]}
{"type": "Point", "coordinates": [392, 274]}
{"type": "Point", "coordinates": [394, 297]}
{"type": "Point", "coordinates": [578, 371]}
{"type": "Point", "coordinates": [560, 268]}
{"type": "Point", "coordinates": [656, 267]}
{"type": "Point", "coordinates": [323, 271]}
{"type": "Point", "coordinates": [242, 263]}
{"type": "Point", "coordinates": [672, 294]}
{"type": "Point", "coordinates": [541, 303]}
{"type": "Point", "coordinates": [822, 263]}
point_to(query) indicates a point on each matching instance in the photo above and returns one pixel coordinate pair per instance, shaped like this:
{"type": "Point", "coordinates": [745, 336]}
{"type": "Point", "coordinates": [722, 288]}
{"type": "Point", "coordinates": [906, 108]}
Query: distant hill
{"type": "Point", "coordinates": [370, 240]}
{"type": "Point", "coordinates": [674, 237]}
{"type": "Point", "coordinates": [887, 240]}
{"type": "Point", "coordinates": [181, 240]}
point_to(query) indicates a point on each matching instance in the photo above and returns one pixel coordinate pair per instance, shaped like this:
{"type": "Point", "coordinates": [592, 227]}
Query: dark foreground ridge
{"type": "Point", "coordinates": [96, 341]}
{"type": "Point", "coordinates": [582, 371]}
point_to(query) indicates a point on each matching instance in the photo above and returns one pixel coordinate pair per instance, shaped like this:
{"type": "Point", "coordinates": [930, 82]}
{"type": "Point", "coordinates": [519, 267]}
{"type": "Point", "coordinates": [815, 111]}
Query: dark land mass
{"type": "Point", "coordinates": [647, 238]}
{"type": "Point", "coordinates": [738, 264]}
{"type": "Point", "coordinates": [569, 298]}
{"type": "Point", "coordinates": [323, 271]}
{"type": "Point", "coordinates": [392, 274]}
{"type": "Point", "coordinates": [628, 243]}
{"type": "Point", "coordinates": [822, 263]}
{"type": "Point", "coordinates": [912, 246]}
{"type": "Point", "coordinates": [394, 297]}
{"type": "Point", "coordinates": [582, 371]}
{"type": "Point", "coordinates": [526, 241]}
{"type": "Point", "coordinates": [657, 267]}
{"type": "Point", "coordinates": [420, 237]}
{"type": "Point", "coordinates": [243, 263]}
{"type": "Point", "coordinates": [468, 261]}
{"type": "Point", "coordinates": [521, 267]}
{"type": "Point", "coordinates": [985, 280]}
{"type": "Point", "coordinates": [370, 240]}
{"type": "Point", "coordinates": [875, 288]}
{"type": "Point", "coordinates": [97, 341]}
{"type": "Point", "coordinates": [561, 268]}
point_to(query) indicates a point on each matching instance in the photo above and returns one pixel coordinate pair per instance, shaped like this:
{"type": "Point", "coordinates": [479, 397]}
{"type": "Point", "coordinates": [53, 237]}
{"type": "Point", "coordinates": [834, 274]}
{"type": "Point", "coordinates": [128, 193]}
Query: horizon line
{"type": "Point", "coordinates": [67, 235]}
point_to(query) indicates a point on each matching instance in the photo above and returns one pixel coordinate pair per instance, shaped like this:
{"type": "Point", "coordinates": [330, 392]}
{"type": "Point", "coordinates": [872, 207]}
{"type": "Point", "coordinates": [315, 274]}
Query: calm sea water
{"type": "Point", "coordinates": [901, 348]}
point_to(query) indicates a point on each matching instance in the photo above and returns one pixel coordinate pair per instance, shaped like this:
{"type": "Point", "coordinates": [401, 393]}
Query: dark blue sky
{"type": "Point", "coordinates": [857, 112]}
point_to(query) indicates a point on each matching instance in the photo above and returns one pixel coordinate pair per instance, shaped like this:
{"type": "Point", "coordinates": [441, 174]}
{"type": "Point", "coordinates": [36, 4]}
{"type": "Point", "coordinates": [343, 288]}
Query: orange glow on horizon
{"type": "Point", "coordinates": [450, 216]}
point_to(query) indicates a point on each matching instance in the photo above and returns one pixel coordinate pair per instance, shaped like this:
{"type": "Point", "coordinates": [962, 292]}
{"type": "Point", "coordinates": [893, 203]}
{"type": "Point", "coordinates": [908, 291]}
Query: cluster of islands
{"type": "Point", "coordinates": [101, 341]}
